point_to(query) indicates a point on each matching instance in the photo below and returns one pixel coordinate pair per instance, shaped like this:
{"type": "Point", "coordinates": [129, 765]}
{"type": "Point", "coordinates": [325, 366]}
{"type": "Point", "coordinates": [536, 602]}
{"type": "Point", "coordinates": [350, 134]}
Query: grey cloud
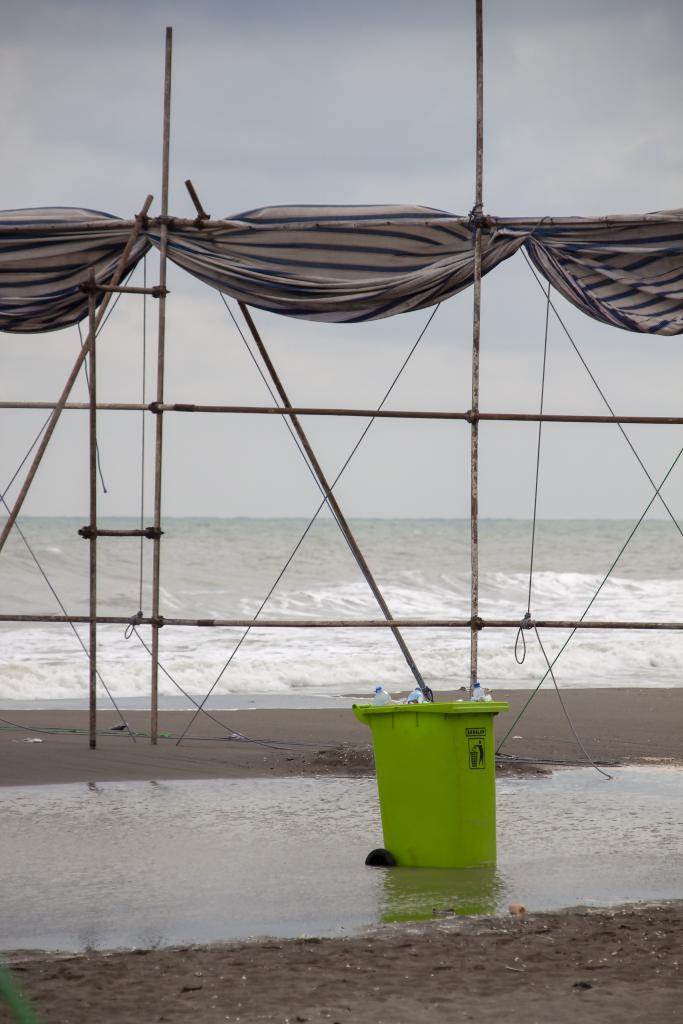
{"type": "Point", "coordinates": [354, 102]}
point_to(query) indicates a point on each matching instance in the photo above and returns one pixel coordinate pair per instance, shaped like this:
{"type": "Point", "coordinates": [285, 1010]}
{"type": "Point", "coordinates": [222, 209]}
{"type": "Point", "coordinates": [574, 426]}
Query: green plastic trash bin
{"type": "Point", "coordinates": [436, 780]}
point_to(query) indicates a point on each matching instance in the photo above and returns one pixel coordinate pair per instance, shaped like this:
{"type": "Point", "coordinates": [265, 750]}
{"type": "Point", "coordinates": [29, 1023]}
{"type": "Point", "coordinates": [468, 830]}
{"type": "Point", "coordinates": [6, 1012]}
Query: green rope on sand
{"type": "Point", "coordinates": [12, 995]}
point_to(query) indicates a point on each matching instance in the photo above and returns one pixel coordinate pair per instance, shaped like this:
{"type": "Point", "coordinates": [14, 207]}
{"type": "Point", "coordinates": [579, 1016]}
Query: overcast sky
{"type": "Point", "coordinates": [355, 102]}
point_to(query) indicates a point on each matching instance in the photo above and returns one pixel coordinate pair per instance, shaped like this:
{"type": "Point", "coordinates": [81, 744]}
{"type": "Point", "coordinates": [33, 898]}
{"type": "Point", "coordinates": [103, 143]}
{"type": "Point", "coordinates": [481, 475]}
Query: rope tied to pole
{"type": "Point", "coordinates": [526, 623]}
{"type": "Point", "coordinates": [133, 621]}
{"type": "Point", "coordinates": [476, 219]}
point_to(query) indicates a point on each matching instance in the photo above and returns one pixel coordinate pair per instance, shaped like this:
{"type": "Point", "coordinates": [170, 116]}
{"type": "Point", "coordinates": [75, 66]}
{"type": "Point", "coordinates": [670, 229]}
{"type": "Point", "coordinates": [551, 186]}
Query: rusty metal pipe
{"type": "Point", "coordinates": [406, 414]}
{"type": "Point", "coordinates": [92, 422]}
{"type": "Point", "coordinates": [476, 340]}
{"type": "Point", "coordinates": [332, 501]}
{"type": "Point", "coordinates": [158, 447]}
{"type": "Point", "coordinates": [402, 621]}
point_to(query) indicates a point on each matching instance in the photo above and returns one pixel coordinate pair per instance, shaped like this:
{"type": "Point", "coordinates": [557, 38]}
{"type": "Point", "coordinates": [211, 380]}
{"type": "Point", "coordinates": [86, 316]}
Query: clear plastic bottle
{"type": "Point", "coordinates": [416, 696]}
{"type": "Point", "coordinates": [381, 697]}
{"type": "Point", "coordinates": [477, 691]}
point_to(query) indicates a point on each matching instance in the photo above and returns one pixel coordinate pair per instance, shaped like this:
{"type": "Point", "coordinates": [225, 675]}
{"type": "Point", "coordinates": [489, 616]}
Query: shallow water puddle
{"type": "Point", "coordinates": [147, 864]}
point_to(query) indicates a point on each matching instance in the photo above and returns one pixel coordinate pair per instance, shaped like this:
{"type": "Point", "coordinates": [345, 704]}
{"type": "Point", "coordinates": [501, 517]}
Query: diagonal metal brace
{"type": "Point", "coordinates": [333, 504]}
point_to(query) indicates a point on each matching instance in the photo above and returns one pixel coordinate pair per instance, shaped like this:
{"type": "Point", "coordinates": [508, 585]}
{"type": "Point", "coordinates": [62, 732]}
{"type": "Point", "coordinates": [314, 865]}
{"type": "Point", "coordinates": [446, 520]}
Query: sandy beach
{"type": "Point", "coordinates": [593, 965]}
{"type": "Point", "coordinates": [628, 726]}
{"type": "Point", "coordinates": [599, 967]}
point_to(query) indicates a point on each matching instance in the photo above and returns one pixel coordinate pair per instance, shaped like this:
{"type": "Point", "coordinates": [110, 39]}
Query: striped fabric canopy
{"type": "Point", "coordinates": [340, 264]}
{"type": "Point", "coordinates": [45, 255]}
{"type": "Point", "coordinates": [627, 271]}
{"type": "Point", "coordinates": [348, 264]}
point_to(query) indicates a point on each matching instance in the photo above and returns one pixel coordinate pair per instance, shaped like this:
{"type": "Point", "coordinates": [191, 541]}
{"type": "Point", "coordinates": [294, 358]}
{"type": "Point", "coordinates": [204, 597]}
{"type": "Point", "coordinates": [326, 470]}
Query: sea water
{"type": "Point", "coordinates": [151, 864]}
{"type": "Point", "coordinates": [219, 568]}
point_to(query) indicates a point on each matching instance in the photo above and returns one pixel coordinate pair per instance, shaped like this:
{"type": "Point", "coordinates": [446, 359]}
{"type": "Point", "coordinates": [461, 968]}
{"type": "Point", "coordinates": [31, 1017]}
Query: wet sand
{"type": "Point", "coordinates": [595, 966]}
{"type": "Point", "coordinates": [628, 726]}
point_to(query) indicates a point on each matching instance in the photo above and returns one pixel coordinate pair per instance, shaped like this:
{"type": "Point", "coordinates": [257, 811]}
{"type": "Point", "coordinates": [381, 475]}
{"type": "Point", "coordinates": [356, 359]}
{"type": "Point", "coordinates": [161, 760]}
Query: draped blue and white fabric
{"type": "Point", "coordinates": [624, 271]}
{"type": "Point", "coordinates": [347, 264]}
{"type": "Point", "coordinates": [45, 256]}
{"type": "Point", "coordinates": [340, 264]}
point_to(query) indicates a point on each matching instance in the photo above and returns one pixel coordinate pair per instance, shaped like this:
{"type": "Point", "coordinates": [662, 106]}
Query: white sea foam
{"type": "Point", "coordinates": [225, 568]}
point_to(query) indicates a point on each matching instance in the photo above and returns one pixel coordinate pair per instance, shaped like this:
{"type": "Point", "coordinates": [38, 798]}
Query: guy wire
{"type": "Point", "coordinates": [87, 376]}
{"type": "Point", "coordinates": [564, 708]}
{"type": "Point", "coordinates": [320, 506]}
{"type": "Point", "coordinates": [657, 494]}
{"type": "Point", "coordinates": [604, 398]}
{"type": "Point", "coordinates": [520, 632]}
{"type": "Point", "coordinates": [592, 600]}
{"type": "Point", "coordinates": [56, 595]}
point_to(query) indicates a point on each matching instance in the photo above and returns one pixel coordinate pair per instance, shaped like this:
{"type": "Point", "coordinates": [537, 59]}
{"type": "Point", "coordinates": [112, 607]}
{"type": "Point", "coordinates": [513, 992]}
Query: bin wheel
{"type": "Point", "coordinates": [380, 859]}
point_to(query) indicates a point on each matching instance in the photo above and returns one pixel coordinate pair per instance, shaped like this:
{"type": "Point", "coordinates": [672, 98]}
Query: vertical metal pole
{"type": "Point", "coordinates": [163, 246]}
{"type": "Point", "coordinates": [92, 366]}
{"type": "Point", "coordinates": [476, 329]}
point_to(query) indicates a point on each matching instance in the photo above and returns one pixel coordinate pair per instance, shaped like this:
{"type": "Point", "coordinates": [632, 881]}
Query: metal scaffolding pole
{"type": "Point", "coordinates": [115, 225]}
{"type": "Point", "coordinates": [403, 622]}
{"type": "Point", "coordinates": [158, 448]}
{"type": "Point", "coordinates": [311, 410]}
{"type": "Point", "coordinates": [476, 331]}
{"type": "Point", "coordinates": [92, 366]}
{"type": "Point", "coordinates": [334, 505]}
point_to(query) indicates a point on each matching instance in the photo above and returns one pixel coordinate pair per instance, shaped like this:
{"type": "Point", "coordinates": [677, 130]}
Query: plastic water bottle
{"type": "Point", "coordinates": [381, 697]}
{"type": "Point", "coordinates": [477, 692]}
{"type": "Point", "coordinates": [415, 697]}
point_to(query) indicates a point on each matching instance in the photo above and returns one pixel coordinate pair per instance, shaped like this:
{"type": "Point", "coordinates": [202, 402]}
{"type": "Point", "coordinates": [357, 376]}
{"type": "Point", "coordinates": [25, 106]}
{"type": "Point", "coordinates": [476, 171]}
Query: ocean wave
{"type": "Point", "coordinates": [225, 569]}
{"type": "Point", "coordinates": [344, 661]}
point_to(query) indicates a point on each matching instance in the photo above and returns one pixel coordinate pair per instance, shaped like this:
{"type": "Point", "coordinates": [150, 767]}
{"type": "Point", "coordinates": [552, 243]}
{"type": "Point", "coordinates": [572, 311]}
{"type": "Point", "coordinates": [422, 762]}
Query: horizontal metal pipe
{"type": "Point", "coordinates": [148, 532]}
{"type": "Point", "coordinates": [559, 417]}
{"type": "Point", "coordinates": [516, 223]}
{"type": "Point", "coordinates": [71, 227]}
{"type": "Point", "coordinates": [77, 406]}
{"type": "Point", "coordinates": [394, 414]}
{"type": "Point", "coordinates": [155, 291]}
{"type": "Point", "coordinates": [405, 623]}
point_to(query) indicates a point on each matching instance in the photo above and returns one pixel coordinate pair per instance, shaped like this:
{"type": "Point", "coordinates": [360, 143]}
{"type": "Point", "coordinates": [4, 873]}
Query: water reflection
{"type": "Point", "coordinates": [116, 864]}
{"type": "Point", "coordinates": [412, 894]}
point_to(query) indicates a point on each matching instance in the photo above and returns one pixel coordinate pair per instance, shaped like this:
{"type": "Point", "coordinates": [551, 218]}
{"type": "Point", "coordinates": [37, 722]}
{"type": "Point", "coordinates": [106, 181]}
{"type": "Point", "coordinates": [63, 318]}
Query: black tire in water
{"type": "Point", "coordinates": [380, 859]}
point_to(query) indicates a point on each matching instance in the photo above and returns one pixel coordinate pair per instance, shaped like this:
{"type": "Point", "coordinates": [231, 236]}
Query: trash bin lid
{"type": "Point", "coordinates": [455, 707]}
